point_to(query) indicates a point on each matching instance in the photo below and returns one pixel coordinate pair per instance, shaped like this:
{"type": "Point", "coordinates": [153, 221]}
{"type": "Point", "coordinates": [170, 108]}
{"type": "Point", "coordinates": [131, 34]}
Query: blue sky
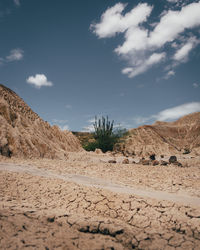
{"type": "Point", "coordinates": [135, 61]}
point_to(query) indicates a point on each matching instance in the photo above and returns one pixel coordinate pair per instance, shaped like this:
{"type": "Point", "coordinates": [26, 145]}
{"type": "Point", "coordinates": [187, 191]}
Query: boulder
{"type": "Point", "coordinates": [163, 163]}
{"type": "Point", "coordinates": [145, 162]}
{"type": "Point", "coordinates": [155, 162]}
{"type": "Point", "coordinates": [125, 161]}
{"type": "Point", "coordinates": [112, 161]}
{"type": "Point", "coordinates": [177, 163]}
{"type": "Point", "coordinates": [152, 157]}
{"type": "Point", "coordinates": [172, 159]}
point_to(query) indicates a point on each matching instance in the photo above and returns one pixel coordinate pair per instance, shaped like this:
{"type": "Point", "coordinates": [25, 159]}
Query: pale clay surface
{"type": "Point", "coordinates": [87, 203]}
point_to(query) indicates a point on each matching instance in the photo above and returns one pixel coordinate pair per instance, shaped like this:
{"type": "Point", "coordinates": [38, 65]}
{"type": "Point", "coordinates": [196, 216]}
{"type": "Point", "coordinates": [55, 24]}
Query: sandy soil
{"type": "Point", "coordinates": [88, 203]}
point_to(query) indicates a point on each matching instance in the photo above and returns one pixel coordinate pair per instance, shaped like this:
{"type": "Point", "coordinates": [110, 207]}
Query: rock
{"type": "Point", "coordinates": [5, 151]}
{"type": "Point", "coordinates": [163, 163]}
{"type": "Point", "coordinates": [162, 156]}
{"type": "Point", "coordinates": [145, 162]}
{"type": "Point", "coordinates": [177, 163]}
{"type": "Point", "coordinates": [125, 161]}
{"type": "Point", "coordinates": [98, 151]}
{"type": "Point", "coordinates": [186, 151]}
{"type": "Point", "coordinates": [152, 157]}
{"type": "Point", "coordinates": [51, 219]}
{"type": "Point", "coordinates": [172, 159]}
{"type": "Point", "coordinates": [112, 161]}
{"type": "Point", "coordinates": [155, 162]}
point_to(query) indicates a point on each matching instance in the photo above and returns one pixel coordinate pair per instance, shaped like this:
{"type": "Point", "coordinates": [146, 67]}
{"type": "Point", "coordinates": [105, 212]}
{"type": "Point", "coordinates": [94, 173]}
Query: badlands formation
{"type": "Point", "coordinates": [54, 195]}
{"type": "Point", "coordinates": [179, 137]}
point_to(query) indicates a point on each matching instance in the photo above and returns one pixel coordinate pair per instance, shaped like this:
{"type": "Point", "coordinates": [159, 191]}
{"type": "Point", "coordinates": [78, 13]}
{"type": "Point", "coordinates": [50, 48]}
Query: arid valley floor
{"type": "Point", "coordinates": [85, 202]}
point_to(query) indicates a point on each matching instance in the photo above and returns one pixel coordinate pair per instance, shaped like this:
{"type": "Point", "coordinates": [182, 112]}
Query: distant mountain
{"type": "Point", "coordinates": [179, 137]}
{"type": "Point", "coordinates": [24, 134]}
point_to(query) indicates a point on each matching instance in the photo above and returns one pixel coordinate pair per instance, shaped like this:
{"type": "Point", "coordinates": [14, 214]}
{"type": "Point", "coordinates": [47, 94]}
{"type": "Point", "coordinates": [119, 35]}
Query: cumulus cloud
{"type": "Point", "coordinates": [89, 127]}
{"type": "Point", "coordinates": [172, 1]}
{"type": "Point", "coordinates": [178, 111]}
{"type": "Point", "coordinates": [144, 65]}
{"type": "Point", "coordinates": [113, 22]}
{"type": "Point", "coordinates": [15, 55]}
{"type": "Point", "coordinates": [140, 42]}
{"type": "Point", "coordinates": [171, 113]}
{"type": "Point", "coordinates": [38, 81]}
{"type": "Point", "coordinates": [169, 74]}
{"type": "Point", "coordinates": [182, 53]}
{"type": "Point", "coordinates": [173, 23]}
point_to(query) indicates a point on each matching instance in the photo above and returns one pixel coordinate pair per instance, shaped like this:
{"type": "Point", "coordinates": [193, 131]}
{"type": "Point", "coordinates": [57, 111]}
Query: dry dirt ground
{"type": "Point", "coordinates": [87, 203]}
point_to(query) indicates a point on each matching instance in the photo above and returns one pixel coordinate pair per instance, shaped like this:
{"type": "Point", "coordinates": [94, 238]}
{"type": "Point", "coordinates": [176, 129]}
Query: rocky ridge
{"type": "Point", "coordinates": [24, 134]}
{"type": "Point", "coordinates": [164, 138]}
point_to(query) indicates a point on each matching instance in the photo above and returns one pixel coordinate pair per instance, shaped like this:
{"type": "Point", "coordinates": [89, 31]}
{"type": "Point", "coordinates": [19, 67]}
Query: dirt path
{"type": "Point", "coordinates": [102, 184]}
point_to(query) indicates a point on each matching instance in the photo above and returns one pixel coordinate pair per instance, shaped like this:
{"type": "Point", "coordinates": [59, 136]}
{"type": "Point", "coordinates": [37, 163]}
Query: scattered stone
{"type": "Point", "coordinates": [152, 157]}
{"type": "Point", "coordinates": [177, 163]}
{"type": "Point", "coordinates": [5, 151]}
{"type": "Point", "coordinates": [172, 159]}
{"type": "Point", "coordinates": [186, 151]}
{"type": "Point", "coordinates": [155, 162]}
{"type": "Point", "coordinates": [51, 219]}
{"type": "Point", "coordinates": [163, 163]}
{"type": "Point", "coordinates": [145, 162]}
{"type": "Point", "coordinates": [112, 161]}
{"type": "Point", "coordinates": [125, 161]}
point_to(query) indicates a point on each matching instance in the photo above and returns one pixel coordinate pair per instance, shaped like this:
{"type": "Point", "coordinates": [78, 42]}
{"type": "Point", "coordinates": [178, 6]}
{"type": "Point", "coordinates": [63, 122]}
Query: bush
{"type": "Point", "coordinates": [91, 146]}
{"type": "Point", "coordinates": [105, 135]}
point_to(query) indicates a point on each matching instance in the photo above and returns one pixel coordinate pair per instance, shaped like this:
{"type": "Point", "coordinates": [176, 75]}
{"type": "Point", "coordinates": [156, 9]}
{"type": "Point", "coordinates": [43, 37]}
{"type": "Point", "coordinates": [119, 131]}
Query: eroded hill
{"type": "Point", "coordinates": [24, 134]}
{"type": "Point", "coordinates": [179, 137]}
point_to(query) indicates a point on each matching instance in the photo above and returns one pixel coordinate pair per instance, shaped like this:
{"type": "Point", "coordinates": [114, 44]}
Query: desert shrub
{"type": "Point", "coordinates": [105, 135]}
{"type": "Point", "coordinates": [90, 146]}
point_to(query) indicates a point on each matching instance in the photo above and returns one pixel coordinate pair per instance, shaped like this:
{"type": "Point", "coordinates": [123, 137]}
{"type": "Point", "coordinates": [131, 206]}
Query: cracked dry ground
{"type": "Point", "coordinates": [49, 213]}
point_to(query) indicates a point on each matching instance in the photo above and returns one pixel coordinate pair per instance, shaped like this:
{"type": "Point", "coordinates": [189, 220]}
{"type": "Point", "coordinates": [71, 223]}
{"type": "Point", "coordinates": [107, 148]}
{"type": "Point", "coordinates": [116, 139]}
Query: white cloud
{"type": "Point", "coordinates": [169, 74]}
{"type": "Point", "coordinates": [141, 43]}
{"type": "Point", "coordinates": [171, 113]}
{"type": "Point", "coordinates": [178, 111]}
{"type": "Point", "coordinates": [112, 21]}
{"type": "Point", "coordinates": [183, 52]}
{"type": "Point", "coordinates": [196, 85]}
{"type": "Point", "coordinates": [62, 124]}
{"type": "Point", "coordinates": [38, 81]}
{"type": "Point", "coordinates": [174, 23]}
{"type": "Point", "coordinates": [89, 128]}
{"type": "Point", "coordinates": [172, 1]}
{"type": "Point", "coordinates": [17, 2]}
{"type": "Point", "coordinates": [15, 55]}
{"type": "Point", "coordinates": [64, 127]}
{"type": "Point", "coordinates": [144, 65]}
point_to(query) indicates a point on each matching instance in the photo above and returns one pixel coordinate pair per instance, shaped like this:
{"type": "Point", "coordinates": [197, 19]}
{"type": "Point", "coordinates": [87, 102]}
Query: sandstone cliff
{"type": "Point", "coordinates": [24, 134]}
{"type": "Point", "coordinates": [179, 137]}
